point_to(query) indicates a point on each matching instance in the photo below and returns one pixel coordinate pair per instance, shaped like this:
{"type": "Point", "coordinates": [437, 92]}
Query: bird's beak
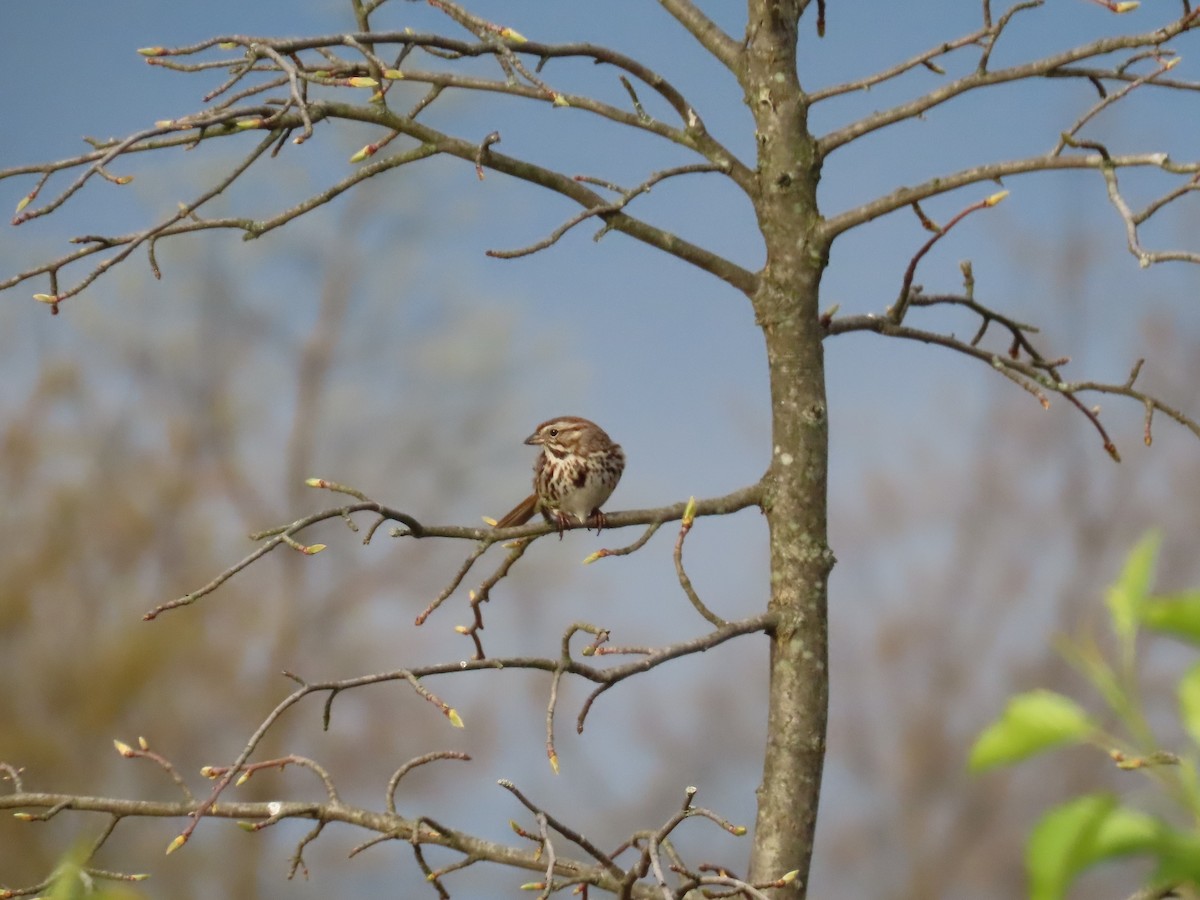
{"type": "Point", "coordinates": [534, 438]}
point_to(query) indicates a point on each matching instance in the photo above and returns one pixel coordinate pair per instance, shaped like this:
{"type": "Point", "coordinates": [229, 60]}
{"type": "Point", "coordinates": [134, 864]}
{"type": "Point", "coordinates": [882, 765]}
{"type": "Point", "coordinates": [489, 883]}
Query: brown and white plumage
{"type": "Point", "coordinates": [573, 476]}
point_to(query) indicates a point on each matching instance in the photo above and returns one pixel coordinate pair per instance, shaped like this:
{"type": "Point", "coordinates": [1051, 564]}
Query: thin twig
{"type": "Point", "coordinates": [602, 210]}
{"type": "Point", "coordinates": [566, 831]}
{"type": "Point", "coordinates": [686, 583]}
{"type": "Point", "coordinates": [739, 499]}
{"type": "Point", "coordinates": [1041, 373]}
{"type": "Point", "coordinates": [900, 307]}
{"type": "Point", "coordinates": [982, 78]}
{"type": "Point", "coordinates": [389, 795]}
{"type": "Point", "coordinates": [1105, 102]}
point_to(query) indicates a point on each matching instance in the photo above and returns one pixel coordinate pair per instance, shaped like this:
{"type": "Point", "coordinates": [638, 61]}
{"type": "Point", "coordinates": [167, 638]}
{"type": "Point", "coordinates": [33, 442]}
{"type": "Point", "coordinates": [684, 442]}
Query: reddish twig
{"type": "Point", "coordinates": [896, 313]}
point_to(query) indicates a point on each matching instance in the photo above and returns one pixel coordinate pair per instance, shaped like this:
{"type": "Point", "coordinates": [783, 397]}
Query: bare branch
{"type": "Point", "coordinates": [739, 499]}
{"type": "Point", "coordinates": [629, 548]}
{"type": "Point", "coordinates": [634, 99]}
{"type": "Point", "coordinates": [1132, 220]}
{"type": "Point", "coordinates": [381, 822]}
{"type": "Point", "coordinates": [686, 583]}
{"type": "Point", "coordinates": [551, 705]}
{"type": "Point", "coordinates": [575, 101]}
{"type": "Point", "coordinates": [130, 243]}
{"type": "Point", "coordinates": [491, 138]}
{"type": "Point", "coordinates": [1038, 370]}
{"type": "Point", "coordinates": [688, 116]}
{"type": "Point", "coordinates": [431, 141]}
{"type": "Point", "coordinates": [983, 78]}
{"type": "Point", "coordinates": [483, 593]}
{"type": "Point", "coordinates": [394, 781]}
{"type": "Point", "coordinates": [1105, 102]}
{"type": "Point", "coordinates": [706, 32]}
{"type": "Point", "coordinates": [548, 852]}
{"type": "Point", "coordinates": [297, 112]}
{"type": "Point", "coordinates": [297, 864]}
{"type": "Point", "coordinates": [299, 98]}
{"type": "Point", "coordinates": [604, 209]}
{"type": "Point", "coordinates": [281, 764]}
{"type": "Point", "coordinates": [900, 307]}
{"type": "Point", "coordinates": [101, 154]}
{"type": "Point", "coordinates": [921, 59]}
{"type": "Point", "coordinates": [728, 271]}
{"type": "Point", "coordinates": [905, 196]}
{"type": "Point", "coordinates": [143, 751]}
{"type": "Point", "coordinates": [994, 37]}
{"type": "Point", "coordinates": [455, 581]}
{"type": "Point", "coordinates": [13, 774]}
{"type": "Point", "coordinates": [617, 674]}
{"type": "Point", "coordinates": [605, 677]}
{"type": "Point", "coordinates": [566, 831]}
{"type": "Point", "coordinates": [1098, 76]}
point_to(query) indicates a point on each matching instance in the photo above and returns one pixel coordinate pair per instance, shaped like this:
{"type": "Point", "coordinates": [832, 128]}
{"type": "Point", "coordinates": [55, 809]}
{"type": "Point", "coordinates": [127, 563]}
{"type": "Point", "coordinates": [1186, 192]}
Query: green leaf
{"type": "Point", "coordinates": [1128, 594]}
{"type": "Point", "coordinates": [1032, 722]}
{"type": "Point", "coordinates": [1178, 859]}
{"type": "Point", "coordinates": [1080, 833]}
{"type": "Point", "coordinates": [1175, 614]}
{"type": "Point", "coordinates": [1189, 702]}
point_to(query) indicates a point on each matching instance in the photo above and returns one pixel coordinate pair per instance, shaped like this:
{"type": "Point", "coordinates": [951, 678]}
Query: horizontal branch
{"type": "Point", "coordinates": [923, 59]}
{"type": "Point", "coordinates": [905, 196]}
{"type": "Point", "coordinates": [389, 825]}
{"type": "Point", "coordinates": [286, 535]}
{"type": "Point", "coordinates": [432, 141]}
{"type": "Point", "coordinates": [750, 495]}
{"type": "Point", "coordinates": [1101, 75]}
{"type": "Point", "coordinates": [573, 101]}
{"type": "Point", "coordinates": [293, 111]}
{"type": "Point", "coordinates": [627, 196]}
{"type": "Point", "coordinates": [103, 148]}
{"type": "Point", "coordinates": [688, 116]}
{"type": "Point", "coordinates": [742, 279]}
{"type": "Point", "coordinates": [986, 38]}
{"type": "Point", "coordinates": [383, 823]}
{"type": "Point", "coordinates": [984, 78]}
{"type": "Point", "coordinates": [1031, 375]}
{"type": "Point", "coordinates": [707, 33]}
{"type": "Point", "coordinates": [605, 676]}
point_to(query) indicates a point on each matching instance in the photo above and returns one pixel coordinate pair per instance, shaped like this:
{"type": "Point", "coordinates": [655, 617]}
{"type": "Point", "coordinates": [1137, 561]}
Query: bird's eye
{"type": "Point", "coordinates": [553, 432]}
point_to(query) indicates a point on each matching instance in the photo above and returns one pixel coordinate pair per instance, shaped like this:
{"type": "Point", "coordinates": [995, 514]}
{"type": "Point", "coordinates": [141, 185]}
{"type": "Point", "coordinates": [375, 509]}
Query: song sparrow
{"type": "Point", "coordinates": [577, 470]}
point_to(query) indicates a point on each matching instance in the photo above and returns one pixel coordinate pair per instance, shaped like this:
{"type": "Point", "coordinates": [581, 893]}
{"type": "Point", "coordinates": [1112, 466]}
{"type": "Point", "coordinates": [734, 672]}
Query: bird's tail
{"type": "Point", "coordinates": [520, 514]}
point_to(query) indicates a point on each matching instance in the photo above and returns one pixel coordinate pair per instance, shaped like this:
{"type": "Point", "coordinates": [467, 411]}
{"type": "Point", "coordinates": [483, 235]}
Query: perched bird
{"type": "Point", "coordinates": [573, 476]}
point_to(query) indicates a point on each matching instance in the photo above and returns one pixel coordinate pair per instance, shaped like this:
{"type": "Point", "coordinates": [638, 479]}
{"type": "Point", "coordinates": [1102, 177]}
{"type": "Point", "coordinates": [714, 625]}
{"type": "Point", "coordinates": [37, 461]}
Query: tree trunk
{"type": "Point", "coordinates": [786, 305]}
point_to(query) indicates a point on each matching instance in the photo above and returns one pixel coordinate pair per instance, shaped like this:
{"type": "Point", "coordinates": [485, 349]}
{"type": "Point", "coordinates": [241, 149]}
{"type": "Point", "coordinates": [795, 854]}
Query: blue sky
{"type": "Point", "coordinates": [692, 334]}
